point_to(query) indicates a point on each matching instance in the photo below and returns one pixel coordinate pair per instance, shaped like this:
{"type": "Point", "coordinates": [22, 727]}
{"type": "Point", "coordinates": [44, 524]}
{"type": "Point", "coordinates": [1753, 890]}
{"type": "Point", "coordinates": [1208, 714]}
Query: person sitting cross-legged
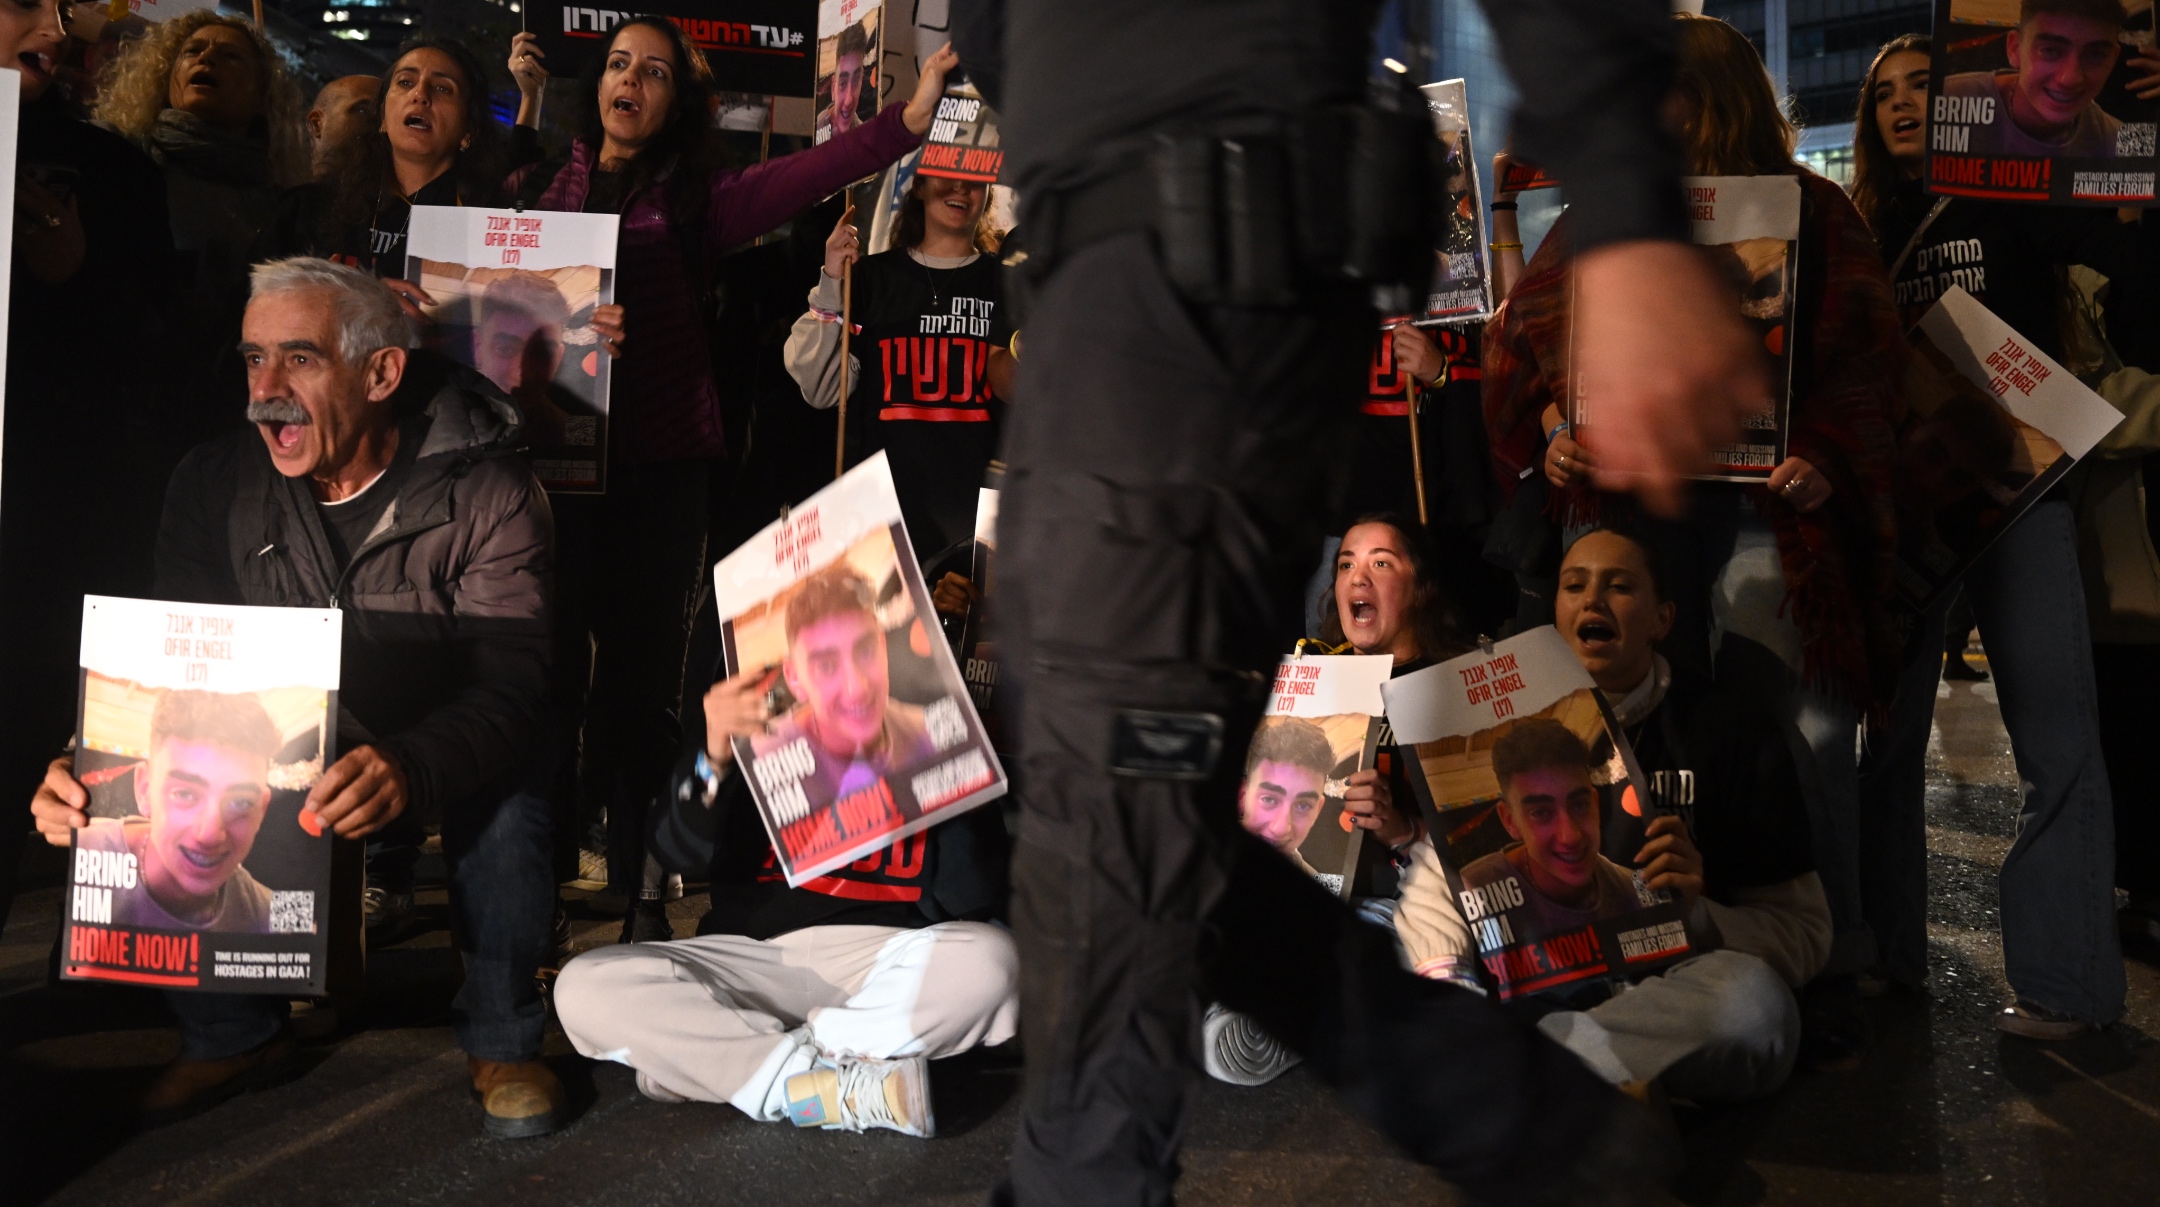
{"type": "Point", "coordinates": [818, 1004]}
{"type": "Point", "coordinates": [1724, 1023]}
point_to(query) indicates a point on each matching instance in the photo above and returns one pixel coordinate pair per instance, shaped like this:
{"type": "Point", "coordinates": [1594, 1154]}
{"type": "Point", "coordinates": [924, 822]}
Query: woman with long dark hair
{"type": "Point", "coordinates": [1784, 585]}
{"type": "Point", "coordinates": [2060, 948]}
{"type": "Point", "coordinates": [630, 562]}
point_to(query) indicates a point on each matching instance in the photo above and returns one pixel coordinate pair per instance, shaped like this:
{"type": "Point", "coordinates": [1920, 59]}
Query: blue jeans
{"type": "Point", "coordinates": [2060, 948]}
{"type": "Point", "coordinates": [502, 903]}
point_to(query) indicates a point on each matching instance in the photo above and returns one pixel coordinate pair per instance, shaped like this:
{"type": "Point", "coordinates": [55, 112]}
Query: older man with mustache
{"type": "Point", "coordinates": [384, 483]}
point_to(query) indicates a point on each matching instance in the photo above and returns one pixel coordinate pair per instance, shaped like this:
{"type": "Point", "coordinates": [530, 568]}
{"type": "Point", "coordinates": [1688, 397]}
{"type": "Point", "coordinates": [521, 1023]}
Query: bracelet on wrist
{"type": "Point", "coordinates": [1562, 426]}
{"type": "Point", "coordinates": [1504, 246]}
{"type": "Point", "coordinates": [1502, 206]}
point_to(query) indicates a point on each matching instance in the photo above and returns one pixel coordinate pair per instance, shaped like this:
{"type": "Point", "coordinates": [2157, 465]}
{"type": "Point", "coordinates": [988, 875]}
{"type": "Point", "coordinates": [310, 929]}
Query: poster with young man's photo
{"type": "Point", "coordinates": [1996, 424]}
{"type": "Point", "coordinates": [2044, 100]}
{"type": "Point", "coordinates": [1462, 271]}
{"type": "Point", "coordinates": [1750, 228]}
{"type": "Point", "coordinates": [514, 295]}
{"type": "Point", "coordinates": [199, 731]}
{"type": "Point", "coordinates": [1529, 791]}
{"type": "Point", "coordinates": [850, 36]}
{"type": "Point", "coordinates": [1322, 726]}
{"type": "Point", "coordinates": [874, 735]}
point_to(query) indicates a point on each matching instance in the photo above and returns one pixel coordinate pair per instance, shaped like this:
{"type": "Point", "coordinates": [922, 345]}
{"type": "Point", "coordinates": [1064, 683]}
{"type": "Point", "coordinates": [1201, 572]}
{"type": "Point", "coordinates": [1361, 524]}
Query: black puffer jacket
{"type": "Point", "coordinates": [446, 624]}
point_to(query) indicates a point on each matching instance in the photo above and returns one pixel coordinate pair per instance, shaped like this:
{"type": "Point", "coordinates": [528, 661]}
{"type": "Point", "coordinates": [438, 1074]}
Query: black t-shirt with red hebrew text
{"type": "Point", "coordinates": [923, 337]}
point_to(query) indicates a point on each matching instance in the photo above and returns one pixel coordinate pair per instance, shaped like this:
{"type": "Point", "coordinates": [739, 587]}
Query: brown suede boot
{"type": "Point", "coordinates": [187, 1087]}
{"type": "Point", "coordinates": [522, 1098]}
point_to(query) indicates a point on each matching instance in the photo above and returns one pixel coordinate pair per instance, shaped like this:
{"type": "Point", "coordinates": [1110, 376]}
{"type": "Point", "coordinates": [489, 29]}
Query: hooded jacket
{"type": "Point", "coordinates": [446, 624]}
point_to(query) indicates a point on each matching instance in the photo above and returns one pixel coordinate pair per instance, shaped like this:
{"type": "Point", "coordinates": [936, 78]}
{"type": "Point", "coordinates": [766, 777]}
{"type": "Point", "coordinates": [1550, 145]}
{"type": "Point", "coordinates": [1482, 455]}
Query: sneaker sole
{"type": "Point", "coordinates": [521, 1129]}
{"type": "Point", "coordinates": [2045, 1032]}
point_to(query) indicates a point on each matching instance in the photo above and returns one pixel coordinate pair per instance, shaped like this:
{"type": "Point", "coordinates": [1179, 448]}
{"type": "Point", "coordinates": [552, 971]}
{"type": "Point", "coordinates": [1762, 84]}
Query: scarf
{"type": "Point", "coordinates": [182, 140]}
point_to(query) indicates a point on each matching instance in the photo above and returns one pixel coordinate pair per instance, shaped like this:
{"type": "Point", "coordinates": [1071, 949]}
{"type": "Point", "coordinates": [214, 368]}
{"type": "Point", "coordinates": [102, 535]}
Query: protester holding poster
{"type": "Point", "coordinates": [2061, 951]}
{"type": "Point", "coordinates": [90, 236]}
{"type": "Point", "coordinates": [643, 151]}
{"type": "Point", "coordinates": [929, 368]}
{"type": "Point", "coordinates": [432, 537]}
{"type": "Point", "coordinates": [1797, 569]}
{"type": "Point", "coordinates": [908, 968]}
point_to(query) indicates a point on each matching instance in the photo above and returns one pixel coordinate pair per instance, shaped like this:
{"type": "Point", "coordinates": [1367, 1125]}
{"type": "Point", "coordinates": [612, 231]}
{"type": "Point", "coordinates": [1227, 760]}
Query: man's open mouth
{"type": "Point", "coordinates": [199, 860]}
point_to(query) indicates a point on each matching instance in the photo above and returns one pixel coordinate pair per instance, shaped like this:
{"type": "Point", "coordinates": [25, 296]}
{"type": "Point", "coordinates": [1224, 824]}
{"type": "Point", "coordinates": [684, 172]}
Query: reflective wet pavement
{"type": "Point", "coordinates": [1942, 1110]}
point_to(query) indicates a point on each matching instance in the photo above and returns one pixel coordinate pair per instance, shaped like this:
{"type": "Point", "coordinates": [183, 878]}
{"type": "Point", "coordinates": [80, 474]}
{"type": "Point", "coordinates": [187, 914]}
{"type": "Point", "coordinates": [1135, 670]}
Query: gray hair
{"type": "Point", "coordinates": [369, 318]}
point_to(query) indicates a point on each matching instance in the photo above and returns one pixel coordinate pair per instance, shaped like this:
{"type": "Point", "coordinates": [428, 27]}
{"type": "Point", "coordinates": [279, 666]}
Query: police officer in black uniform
{"type": "Point", "coordinates": [1210, 193]}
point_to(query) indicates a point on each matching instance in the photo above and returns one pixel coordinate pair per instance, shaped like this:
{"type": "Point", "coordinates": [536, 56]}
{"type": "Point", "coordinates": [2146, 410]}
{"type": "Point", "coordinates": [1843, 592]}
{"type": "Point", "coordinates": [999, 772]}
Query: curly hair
{"type": "Point", "coordinates": [138, 82]}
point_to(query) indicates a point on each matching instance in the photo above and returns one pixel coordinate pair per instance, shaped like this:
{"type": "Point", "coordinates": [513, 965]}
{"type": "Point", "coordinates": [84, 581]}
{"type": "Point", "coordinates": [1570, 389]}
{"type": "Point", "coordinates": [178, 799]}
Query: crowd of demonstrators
{"type": "Point", "coordinates": [634, 559]}
{"type": "Point", "coordinates": [1783, 587]}
{"type": "Point", "coordinates": [519, 667]}
{"type": "Point", "coordinates": [2060, 948]}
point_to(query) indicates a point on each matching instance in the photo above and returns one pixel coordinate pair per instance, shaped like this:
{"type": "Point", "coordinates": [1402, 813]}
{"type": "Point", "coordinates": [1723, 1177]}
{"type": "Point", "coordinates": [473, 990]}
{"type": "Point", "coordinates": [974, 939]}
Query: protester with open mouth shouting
{"type": "Point", "coordinates": [642, 150]}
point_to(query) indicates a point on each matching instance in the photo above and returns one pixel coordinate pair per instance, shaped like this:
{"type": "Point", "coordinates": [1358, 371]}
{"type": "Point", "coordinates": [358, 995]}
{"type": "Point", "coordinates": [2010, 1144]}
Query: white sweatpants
{"type": "Point", "coordinates": [1720, 1027]}
{"type": "Point", "coordinates": [723, 1018]}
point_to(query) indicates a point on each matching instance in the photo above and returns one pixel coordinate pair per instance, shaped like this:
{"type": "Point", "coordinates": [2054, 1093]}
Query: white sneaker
{"type": "Point", "coordinates": [854, 1094]}
{"type": "Point", "coordinates": [1236, 1050]}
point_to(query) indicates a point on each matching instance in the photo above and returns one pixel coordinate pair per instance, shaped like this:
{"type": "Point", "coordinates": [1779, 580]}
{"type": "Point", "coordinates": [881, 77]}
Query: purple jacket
{"type": "Point", "coordinates": [664, 405]}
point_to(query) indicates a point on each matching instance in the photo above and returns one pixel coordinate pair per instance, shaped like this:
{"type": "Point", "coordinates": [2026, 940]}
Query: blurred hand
{"type": "Point", "coordinates": [1417, 355]}
{"type": "Point", "coordinates": [735, 708]}
{"type": "Point", "coordinates": [48, 233]}
{"type": "Point", "coordinates": [361, 793]}
{"type": "Point", "coordinates": [929, 86]}
{"type": "Point", "coordinates": [1800, 484]}
{"type": "Point", "coordinates": [1669, 861]}
{"type": "Point", "coordinates": [528, 64]}
{"type": "Point", "coordinates": [607, 323]}
{"type": "Point", "coordinates": [1371, 805]}
{"type": "Point", "coordinates": [1500, 165]}
{"type": "Point", "coordinates": [58, 808]}
{"type": "Point", "coordinates": [843, 246]}
{"type": "Point", "coordinates": [1666, 362]}
{"type": "Point", "coordinates": [410, 299]}
{"type": "Point", "coordinates": [954, 594]}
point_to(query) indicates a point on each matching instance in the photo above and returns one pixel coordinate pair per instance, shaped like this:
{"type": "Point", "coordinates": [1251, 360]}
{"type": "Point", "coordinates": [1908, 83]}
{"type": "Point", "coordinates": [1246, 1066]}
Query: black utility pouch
{"type": "Point", "coordinates": [1187, 230]}
{"type": "Point", "coordinates": [1258, 240]}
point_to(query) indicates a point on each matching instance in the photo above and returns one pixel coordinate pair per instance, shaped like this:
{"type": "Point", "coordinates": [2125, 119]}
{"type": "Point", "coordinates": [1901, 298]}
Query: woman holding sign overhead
{"type": "Point", "coordinates": [1784, 582]}
{"type": "Point", "coordinates": [643, 151]}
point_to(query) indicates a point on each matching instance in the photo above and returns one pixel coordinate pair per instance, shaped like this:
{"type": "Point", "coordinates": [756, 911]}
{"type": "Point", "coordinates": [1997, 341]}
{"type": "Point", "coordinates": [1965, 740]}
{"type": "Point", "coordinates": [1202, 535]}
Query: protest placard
{"type": "Point", "coordinates": [1531, 860]}
{"type": "Point", "coordinates": [2033, 102]}
{"type": "Point", "coordinates": [1322, 726]}
{"type": "Point", "coordinates": [1996, 423]}
{"type": "Point", "coordinates": [1751, 228]}
{"type": "Point", "coordinates": [514, 293]}
{"type": "Point", "coordinates": [963, 139]}
{"type": "Point", "coordinates": [1462, 271]}
{"type": "Point", "coordinates": [200, 730]}
{"type": "Point", "coordinates": [759, 46]}
{"type": "Point", "coordinates": [874, 735]}
{"type": "Point", "coordinates": [849, 56]}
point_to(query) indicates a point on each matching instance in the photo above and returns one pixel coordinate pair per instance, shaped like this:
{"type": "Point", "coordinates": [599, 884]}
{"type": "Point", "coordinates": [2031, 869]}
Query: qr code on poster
{"type": "Point", "coordinates": [292, 913]}
{"type": "Point", "coordinates": [2134, 139]}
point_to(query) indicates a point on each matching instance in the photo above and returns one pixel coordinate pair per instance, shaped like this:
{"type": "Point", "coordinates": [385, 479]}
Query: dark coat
{"type": "Point", "coordinates": [446, 613]}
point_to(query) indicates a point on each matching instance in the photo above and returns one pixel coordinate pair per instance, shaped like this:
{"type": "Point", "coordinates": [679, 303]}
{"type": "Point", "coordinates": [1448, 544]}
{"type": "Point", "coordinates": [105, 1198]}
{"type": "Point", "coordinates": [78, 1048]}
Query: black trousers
{"type": "Point", "coordinates": [1168, 475]}
{"type": "Point", "coordinates": [630, 571]}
